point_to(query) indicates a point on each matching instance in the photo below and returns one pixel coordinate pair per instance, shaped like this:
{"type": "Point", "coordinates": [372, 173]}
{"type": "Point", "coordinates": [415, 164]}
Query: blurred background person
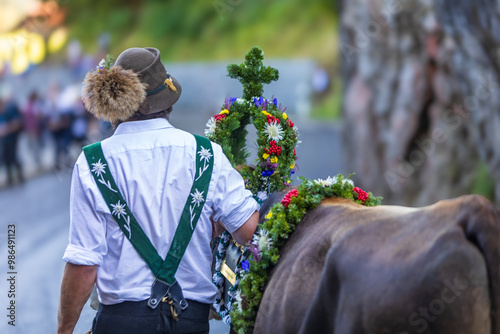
{"type": "Point", "coordinates": [11, 125]}
{"type": "Point", "coordinates": [32, 115]}
{"type": "Point", "coordinates": [59, 111]}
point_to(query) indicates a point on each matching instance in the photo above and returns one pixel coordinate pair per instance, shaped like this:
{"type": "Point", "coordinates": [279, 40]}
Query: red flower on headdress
{"type": "Point", "coordinates": [362, 195]}
{"type": "Point", "coordinates": [274, 149]}
{"type": "Point", "coordinates": [219, 117]}
{"type": "Point", "coordinates": [288, 197]}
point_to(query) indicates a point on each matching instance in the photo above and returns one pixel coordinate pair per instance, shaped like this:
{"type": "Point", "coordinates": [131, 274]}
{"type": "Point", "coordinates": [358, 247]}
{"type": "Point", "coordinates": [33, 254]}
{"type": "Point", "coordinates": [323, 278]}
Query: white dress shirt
{"type": "Point", "coordinates": [153, 165]}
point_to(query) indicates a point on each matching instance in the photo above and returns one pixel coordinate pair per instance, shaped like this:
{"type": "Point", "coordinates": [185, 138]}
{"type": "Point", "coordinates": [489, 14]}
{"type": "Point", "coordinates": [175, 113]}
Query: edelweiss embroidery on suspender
{"type": "Point", "coordinates": [165, 286]}
{"type": "Point", "coordinates": [197, 196]}
{"type": "Point", "coordinates": [99, 169]}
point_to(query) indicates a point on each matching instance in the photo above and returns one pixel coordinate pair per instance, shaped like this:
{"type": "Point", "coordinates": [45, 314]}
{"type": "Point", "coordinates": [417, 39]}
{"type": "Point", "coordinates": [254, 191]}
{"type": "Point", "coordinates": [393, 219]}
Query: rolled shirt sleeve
{"type": "Point", "coordinates": [87, 233]}
{"type": "Point", "coordinates": [233, 204]}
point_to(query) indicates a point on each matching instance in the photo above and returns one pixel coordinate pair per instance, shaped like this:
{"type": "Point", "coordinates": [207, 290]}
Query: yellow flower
{"type": "Point", "coordinates": [285, 116]}
{"type": "Point", "coordinates": [265, 113]}
{"type": "Point", "coordinates": [274, 160]}
{"type": "Point", "coordinates": [292, 166]}
{"type": "Point", "coordinates": [265, 155]}
{"type": "Point", "coordinates": [289, 181]}
{"type": "Point", "coordinates": [225, 111]}
{"type": "Point", "coordinates": [269, 215]}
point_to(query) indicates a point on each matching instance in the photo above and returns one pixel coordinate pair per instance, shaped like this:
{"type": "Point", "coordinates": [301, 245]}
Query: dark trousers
{"type": "Point", "coordinates": [137, 317]}
{"type": "Point", "coordinates": [10, 158]}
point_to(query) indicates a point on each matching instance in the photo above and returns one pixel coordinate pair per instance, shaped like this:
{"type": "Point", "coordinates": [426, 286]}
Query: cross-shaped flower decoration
{"type": "Point", "coordinates": [253, 74]}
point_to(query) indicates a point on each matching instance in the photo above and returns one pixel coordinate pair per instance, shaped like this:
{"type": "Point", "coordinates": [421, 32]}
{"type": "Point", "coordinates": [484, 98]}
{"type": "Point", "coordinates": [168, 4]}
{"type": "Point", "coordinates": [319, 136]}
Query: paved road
{"type": "Point", "coordinates": [39, 209]}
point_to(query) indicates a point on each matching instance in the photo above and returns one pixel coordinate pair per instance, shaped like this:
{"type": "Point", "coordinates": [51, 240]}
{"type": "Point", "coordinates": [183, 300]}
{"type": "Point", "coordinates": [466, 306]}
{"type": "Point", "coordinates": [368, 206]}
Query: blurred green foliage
{"type": "Point", "coordinates": [209, 30]}
{"type": "Point", "coordinates": [328, 106]}
{"type": "Point", "coordinates": [484, 184]}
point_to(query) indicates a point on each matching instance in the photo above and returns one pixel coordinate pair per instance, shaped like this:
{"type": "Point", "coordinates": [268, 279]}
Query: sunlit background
{"type": "Point", "coordinates": [46, 48]}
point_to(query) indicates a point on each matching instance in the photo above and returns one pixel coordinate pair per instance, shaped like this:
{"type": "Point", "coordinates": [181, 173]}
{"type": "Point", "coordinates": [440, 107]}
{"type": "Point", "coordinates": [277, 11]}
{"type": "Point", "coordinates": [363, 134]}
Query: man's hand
{"type": "Point", "coordinates": [76, 285]}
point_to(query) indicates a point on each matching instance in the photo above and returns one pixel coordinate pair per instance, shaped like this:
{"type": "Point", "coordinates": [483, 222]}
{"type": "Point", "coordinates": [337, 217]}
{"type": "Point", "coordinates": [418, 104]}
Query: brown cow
{"type": "Point", "coordinates": [394, 270]}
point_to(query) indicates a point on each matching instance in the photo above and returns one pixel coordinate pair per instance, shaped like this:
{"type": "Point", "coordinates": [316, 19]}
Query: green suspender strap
{"type": "Point", "coordinates": [165, 286]}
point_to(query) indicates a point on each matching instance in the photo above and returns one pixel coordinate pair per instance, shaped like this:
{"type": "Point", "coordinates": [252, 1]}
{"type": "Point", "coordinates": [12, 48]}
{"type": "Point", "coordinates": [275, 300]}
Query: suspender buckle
{"type": "Point", "coordinates": [159, 290]}
{"type": "Point", "coordinates": [172, 294]}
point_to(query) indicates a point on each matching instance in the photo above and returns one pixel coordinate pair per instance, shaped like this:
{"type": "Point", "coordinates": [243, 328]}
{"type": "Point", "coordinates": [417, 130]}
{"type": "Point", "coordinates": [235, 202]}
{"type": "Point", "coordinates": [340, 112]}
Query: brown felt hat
{"type": "Point", "coordinates": [138, 82]}
{"type": "Point", "coordinates": [162, 90]}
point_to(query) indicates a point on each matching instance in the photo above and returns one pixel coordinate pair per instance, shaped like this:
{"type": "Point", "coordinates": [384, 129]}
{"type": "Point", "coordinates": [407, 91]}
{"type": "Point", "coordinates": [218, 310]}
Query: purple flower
{"type": "Point", "coordinates": [275, 101]}
{"type": "Point", "coordinates": [245, 265]}
{"type": "Point", "coordinates": [255, 251]}
{"type": "Point", "coordinates": [267, 173]}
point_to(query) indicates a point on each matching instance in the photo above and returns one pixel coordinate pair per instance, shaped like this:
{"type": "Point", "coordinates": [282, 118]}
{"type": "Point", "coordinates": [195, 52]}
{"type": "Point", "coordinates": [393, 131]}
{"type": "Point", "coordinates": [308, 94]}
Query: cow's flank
{"type": "Point", "coordinates": [394, 270]}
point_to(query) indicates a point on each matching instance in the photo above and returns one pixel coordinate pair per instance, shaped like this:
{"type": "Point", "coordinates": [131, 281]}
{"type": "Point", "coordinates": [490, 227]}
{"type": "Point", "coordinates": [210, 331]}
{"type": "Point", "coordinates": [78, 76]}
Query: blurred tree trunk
{"type": "Point", "coordinates": [421, 101]}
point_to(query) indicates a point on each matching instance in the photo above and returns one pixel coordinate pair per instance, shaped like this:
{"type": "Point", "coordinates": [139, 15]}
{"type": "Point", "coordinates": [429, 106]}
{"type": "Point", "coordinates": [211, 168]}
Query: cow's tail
{"type": "Point", "coordinates": [480, 221]}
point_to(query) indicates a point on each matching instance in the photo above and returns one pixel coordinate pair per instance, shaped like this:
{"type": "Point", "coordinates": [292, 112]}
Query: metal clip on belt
{"type": "Point", "coordinates": [172, 294]}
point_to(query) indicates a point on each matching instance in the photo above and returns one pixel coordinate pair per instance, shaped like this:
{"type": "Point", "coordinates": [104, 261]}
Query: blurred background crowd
{"type": "Point", "coordinates": [48, 46]}
{"type": "Point", "coordinates": [42, 133]}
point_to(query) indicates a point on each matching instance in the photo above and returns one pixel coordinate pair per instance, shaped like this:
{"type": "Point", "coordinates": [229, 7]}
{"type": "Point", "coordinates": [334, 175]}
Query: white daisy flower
{"type": "Point", "coordinates": [102, 63]}
{"type": "Point", "coordinates": [119, 209]}
{"type": "Point", "coordinates": [211, 126]}
{"type": "Point", "coordinates": [321, 182]}
{"type": "Point", "coordinates": [328, 182]}
{"type": "Point", "coordinates": [331, 180]}
{"type": "Point", "coordinates": [274, 131]}
{"type": "Point", "coordinates": [262, 195]}
{"type": "Point", "coordinates": [348, 181]}
{"type": "Point", "coordinates": [262, 240]}
{"type": "Point", "coordinates": [197, 197]}
{"type": "Point", "coordinates": [296, 130]}
{"type": "Point", "coordinates": [205, 154]}
{"type": "Point", "coordinates": [240, 100]}
{"type": "Point", "coordinates": [99, 168]}
{"type": "Point", "coordinates": [239, 301]}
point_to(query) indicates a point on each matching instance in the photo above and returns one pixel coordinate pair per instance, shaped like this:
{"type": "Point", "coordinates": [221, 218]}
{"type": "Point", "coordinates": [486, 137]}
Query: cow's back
{"type": "Point", "coordinates": [352, 269]}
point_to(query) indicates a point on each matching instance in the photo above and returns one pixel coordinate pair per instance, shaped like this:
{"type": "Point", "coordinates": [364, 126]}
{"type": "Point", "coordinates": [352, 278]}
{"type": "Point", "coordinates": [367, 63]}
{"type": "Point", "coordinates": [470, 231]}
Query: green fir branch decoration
{"type": "Point", "coordinates": [280, 223]}
{"type": "Point", "coordinates": [277, 137]}
{"type": "Point", "coordinates": [253, 74]}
